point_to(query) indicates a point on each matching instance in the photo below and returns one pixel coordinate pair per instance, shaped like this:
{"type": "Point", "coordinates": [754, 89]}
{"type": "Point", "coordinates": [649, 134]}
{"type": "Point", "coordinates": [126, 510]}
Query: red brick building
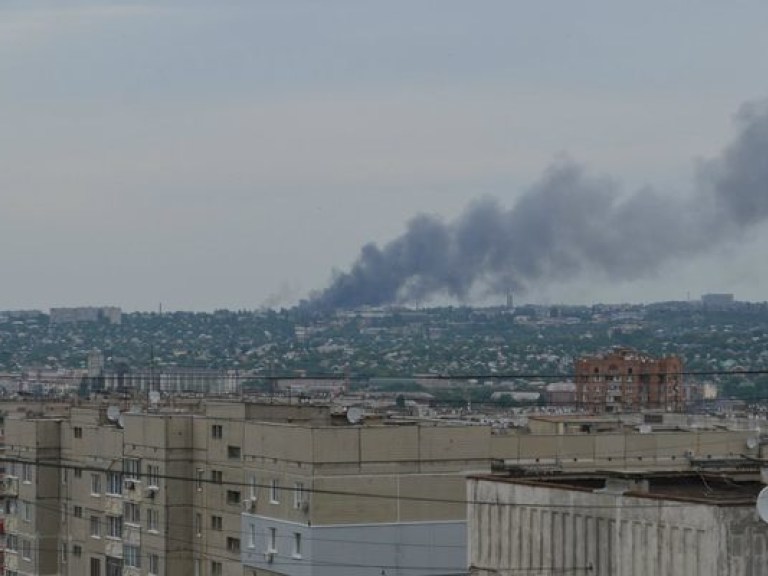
{"type": "Point", "coordinates": [625, 380]}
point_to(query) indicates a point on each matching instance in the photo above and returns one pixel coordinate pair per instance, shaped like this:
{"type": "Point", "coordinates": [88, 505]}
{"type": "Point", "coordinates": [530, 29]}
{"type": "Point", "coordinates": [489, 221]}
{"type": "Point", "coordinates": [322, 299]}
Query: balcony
{"type": "Point", "coordinates": [132, 490]}
{"type": "Point", "coordinates": [9, 487]}
{"type": "Point", "coordinates": [113, 548]}
{"type": "Point", "coordinates": [11, 561]}
{"type": "Point", "coordinates": [131, 571]}
{"type": "Point", "coordinates": [11, 524]}
{"type": "Point", "coordinates": [113, 505]}
{"type": "Point", "coordinates": [132, 534]}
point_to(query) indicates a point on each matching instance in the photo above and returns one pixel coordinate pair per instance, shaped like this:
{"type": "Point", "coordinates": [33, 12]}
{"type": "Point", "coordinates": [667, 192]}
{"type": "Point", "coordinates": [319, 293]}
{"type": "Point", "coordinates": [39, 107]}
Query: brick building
{"type": "Point", "coordinates": [625, 380]}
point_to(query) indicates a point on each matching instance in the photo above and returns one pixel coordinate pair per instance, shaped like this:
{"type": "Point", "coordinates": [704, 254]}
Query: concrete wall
{"type": "Point", "coordinates": [545, 529]}
{"type": "Point", "coordinates": [404, 549]}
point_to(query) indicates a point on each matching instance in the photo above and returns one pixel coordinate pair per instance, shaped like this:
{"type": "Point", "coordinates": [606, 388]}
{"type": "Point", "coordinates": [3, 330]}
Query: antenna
{"type": "Point", "coordinates": [762, 504]}
{"type": "Point", "coordinates": [113, 413]}
{"type": "Point", "coordinates": [355, 415]}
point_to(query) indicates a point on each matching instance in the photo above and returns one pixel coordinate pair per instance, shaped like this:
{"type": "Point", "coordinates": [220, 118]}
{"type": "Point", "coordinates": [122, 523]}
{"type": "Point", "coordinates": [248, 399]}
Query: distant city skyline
{"type": "Point", "coordinates": [233, 155]}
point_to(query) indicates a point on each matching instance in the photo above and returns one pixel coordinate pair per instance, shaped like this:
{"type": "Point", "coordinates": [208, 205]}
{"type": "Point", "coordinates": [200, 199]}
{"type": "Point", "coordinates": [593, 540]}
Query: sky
{"type": "Point", "coordinates": [239, 154]}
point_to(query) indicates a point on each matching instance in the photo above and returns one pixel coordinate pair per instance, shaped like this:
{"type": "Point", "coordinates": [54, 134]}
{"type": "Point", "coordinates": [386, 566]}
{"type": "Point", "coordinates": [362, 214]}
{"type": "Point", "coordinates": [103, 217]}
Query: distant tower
{"type": "Point", "coordinates": [510, 300]}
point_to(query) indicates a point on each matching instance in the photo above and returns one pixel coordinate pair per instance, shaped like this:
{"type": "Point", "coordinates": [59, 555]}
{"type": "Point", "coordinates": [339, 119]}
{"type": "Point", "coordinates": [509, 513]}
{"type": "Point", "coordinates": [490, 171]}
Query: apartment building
{"type": "Point", "coordinates": [219, 488]}
{"type": "Point", "coordinates": [625, 380]}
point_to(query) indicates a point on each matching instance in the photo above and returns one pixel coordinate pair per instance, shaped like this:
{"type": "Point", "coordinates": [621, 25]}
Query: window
{"type": "Point", "coordinates": [298, 494]}
{"type": "Point", "coordinates": [217, 432]}
{"type": "Point", "coordinates": [114, 483]}
{"type": "Point", "coordinates": [253, 488]}
{"type": "Point", "coordinates": [233, 544]}
{"type": "Point", "coordinates": [154, 564]}
{"type": "Point", "coordinates": [114, 566]}
{"type": "Point", "coordinates": [251, 535]}
{"type": "Point", "coordinates": [297, 544]}
{"type": "Point", "coordinates": [216, 569]}
{"type": "Point", "coordinates": [131, 514]}
{"type": "Point", "coordinates": [26, 549]}
{"type": "Point", "coordinates": [77, 550]}
{"type": "Point", "coordinates": [95, 484]}
{"type": "Point", "coordinates": [26, 511]}
{"type": "Point", "coordinates": [153, 519]}
{"type": "Point", "coordinates": [26, 473]}
{"type": "Point", "coordinates": [233, 452]}
{"type": "Point", "coordinates": [153, 475]}
{"type": "Point", "coordinates": [217, 477]}
{"type": "Point", "coordinates": [274, 492]}
{"type": "Point", "coordinates": [78, 432]}
{"type": "Point", "coordinates": [115, 526]}
{"type": "Point", "coordinates": [63, 553]}
{"type": "Point", "coordinates": [95, 567]}
{"type": "Point", "coordinates": [200, 478]}
{"type": "Point", "coordinates": [272, 540]}
{"type": "Point", "coordinates": [132, 468]}
{"type": "Point", "coordinates": [12, 542]}
{"type": "Point", "coordinates": [198, 524]}
{"type": "Point", "coordinates": [131, 556]}
{"type": "Point", "coordinates": [216, 523]}
{"type": "Point", "coordinates": [95, 528]}
{"type": "Point", "coordinates": [78, 472]}
{"type": "Point", "coordinates": [233, 497]}
{"type": "Point", "coordinates": [77, 512]}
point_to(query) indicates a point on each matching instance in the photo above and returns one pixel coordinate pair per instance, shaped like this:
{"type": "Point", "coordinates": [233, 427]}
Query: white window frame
{"type": "Point", "coordinates": [297, 544]}
{"type": "Point", "coordinates": [298, 494]}
{"type": "Point", "coordinates": [94, 522]}
{"type": "Point", "coordinates": [274, 491]}
{"type": "Point", "coordinates": [271, 540]}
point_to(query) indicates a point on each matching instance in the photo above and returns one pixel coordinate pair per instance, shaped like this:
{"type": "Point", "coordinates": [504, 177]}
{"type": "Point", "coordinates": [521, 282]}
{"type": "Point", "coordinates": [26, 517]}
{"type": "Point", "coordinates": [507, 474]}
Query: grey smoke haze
{"type": "Point", "coordinates": [568, 224]}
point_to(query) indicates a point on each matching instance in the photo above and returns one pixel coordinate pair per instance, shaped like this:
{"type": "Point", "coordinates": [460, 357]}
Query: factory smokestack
{"type": "Point", "coordinates": [569, 223]}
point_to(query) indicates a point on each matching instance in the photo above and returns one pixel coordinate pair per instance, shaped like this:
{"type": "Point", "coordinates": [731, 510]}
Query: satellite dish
{"type": "Point", "coordinates": [113, 413]}
{"type": "Point", "coordinates": [762, 505]}
{"type": "Point", "coordinates": [154, 397]}
{"type": "Point", "coordinates": [355, 415]}
{"type": "Point", "coordinates": [121, 421]}
{"type": "Point", "coordinates": [752, 442]}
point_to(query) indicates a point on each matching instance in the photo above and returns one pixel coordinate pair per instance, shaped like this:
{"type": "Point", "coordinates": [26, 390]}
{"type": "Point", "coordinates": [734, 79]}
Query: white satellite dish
{"type": "Point", "coordinates": [753, 442]}
{"type": "Point", "coordinates": [355, 415]}
{"type": "Point", "coordinates": [121, 420]}
{"type": "Point", "coordinates": [154, 397]}
{"type": "Point", "coordinates": [762, 504]}
{"type": "Point", "coordinates": [113, 413]}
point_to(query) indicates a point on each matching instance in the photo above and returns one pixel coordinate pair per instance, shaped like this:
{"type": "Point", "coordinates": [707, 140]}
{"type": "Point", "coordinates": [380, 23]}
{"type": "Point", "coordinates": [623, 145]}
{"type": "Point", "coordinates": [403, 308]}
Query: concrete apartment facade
{"type": "Point", "coordinates": [222, 488]}
{"type": "Point", "coordinates": [625, 380]}
{"type": "Point", "coordinates": [658, 524]}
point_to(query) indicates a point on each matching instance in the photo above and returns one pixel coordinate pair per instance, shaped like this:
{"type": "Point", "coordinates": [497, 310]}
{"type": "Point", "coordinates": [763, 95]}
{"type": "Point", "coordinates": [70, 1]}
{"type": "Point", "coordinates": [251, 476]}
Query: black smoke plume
{"type": "Point", "coordinates": [569, 223]}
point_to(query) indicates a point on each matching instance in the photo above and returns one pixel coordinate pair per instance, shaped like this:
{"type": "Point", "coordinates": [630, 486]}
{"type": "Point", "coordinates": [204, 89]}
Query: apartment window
{"type": "Point", "coordinates": [95, 484]}
{"type": "Point", "coordinates": [233, 452]}
{"type": "Point", "coordinates": [95, 527]}
{"type": "Point", "coordinates": [115, 526]}
{"type": "Point", "coordinates": [78, 473]}
{"type": "Point", "coordinates": [153, 519]}
{"type": "Point", "coordinates": [114, 483]}
{"type": "Point", "coordinates": [131, 514]}
{"type": "Point", "coordinates": [198, 524]}
{"type": "Point", "coordinates": [77, 511]}
{"type": "Point", "coordinates": [251, 535]}
{"type": "Point", "coordinates": [297, 544]}
{"type": "Point", "coordinates": [217, 477]}
{"type": "Point", "coordinates": [233, 544]}
{"type": "Point", "coordinates": [26, 473]}
{"type": "Point", "coordinates": [154, 564]}
{"type": "Point", "coordinates": [26, 511]}
{"type": "Point", "coordinates": [131, 556]}
{"type": "Point", "coordinates": [132, 468]}
{"type": "Point", "coordinates": [114, 566]}
{"type": "Point", "coordinates": [274, 492]}
{"type": "Point", "coordinates": [233, 497]}
{"type": "Point", "coordinates": [198, 568]}
{"type": "Point", "coordinates": [95, 566]}
{"type": "Point", "coordinates": [63, 553]}
{"type": "Point", "coordinates": [253, 487]}
{"type": "Point", "coordinates": [26, 549]}
{"type": "Point", "coordinates": [200, 478]}
{"type": "Point", "coordinates": [77, 550]}
{"type": "Point", "coordinates": [216, 523]}
{"type": "Point", "coordinates": [272, 540]}
{"type": "Point", "coordinates": [63, 475]}
{"type": "Point", "coordinates": [78, 432]}
{"type": "Point", "coordinates": [153, 475]}
{"type": "Point", "coordinates": [216, 569]}
{"type": "Point", "coordinates": [298, 494]}
{"type": "Point", "coordinates": [12, 543]}
{"type": "Point", "coordinates": [217, 432]}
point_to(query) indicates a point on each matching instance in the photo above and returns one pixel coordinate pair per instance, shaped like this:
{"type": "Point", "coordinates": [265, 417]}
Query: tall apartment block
{"type": "Point", "coordinates": [625, 380]}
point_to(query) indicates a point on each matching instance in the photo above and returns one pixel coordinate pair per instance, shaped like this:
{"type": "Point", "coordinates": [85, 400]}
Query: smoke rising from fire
{"type": "Point", "coordinates": [568, 224]}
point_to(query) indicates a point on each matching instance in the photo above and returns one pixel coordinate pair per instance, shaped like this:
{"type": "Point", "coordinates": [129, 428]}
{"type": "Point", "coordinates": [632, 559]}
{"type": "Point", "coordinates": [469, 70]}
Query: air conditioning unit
{"type": "Point", "coordinates": [151, 491]}
{"type": "Point", "coordinates": [129, 484]}
{"type": "Point", "coordinates": [249, 505]}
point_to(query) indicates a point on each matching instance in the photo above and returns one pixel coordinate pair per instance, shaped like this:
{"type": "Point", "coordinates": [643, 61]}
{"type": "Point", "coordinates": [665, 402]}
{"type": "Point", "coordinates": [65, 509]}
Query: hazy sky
{"type": "Point", "coordinates": [233, 154]}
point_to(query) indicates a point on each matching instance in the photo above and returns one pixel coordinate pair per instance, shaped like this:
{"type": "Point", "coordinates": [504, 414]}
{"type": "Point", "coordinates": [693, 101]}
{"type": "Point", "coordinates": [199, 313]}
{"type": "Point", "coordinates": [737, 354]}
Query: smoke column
{"type": "Point", "coordinates": [567, 224]}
